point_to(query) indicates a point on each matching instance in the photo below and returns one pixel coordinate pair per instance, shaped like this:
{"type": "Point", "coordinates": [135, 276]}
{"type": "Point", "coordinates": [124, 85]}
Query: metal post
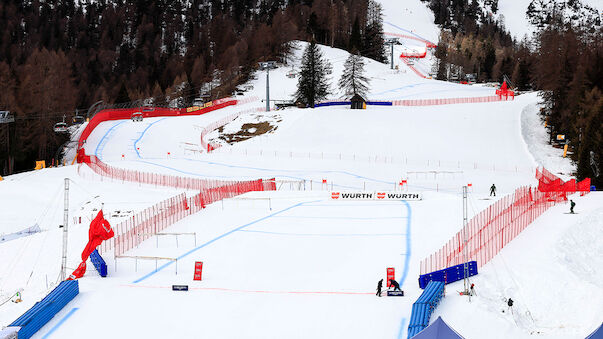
{"type": "Point", "coordinates": [267, 89]}
{"type": "Point", "coordinates": [65, 230]}
{"type": "Point", "coordinates": [392, 56]}
{"type": "Point", "coordinates": [465, 264]}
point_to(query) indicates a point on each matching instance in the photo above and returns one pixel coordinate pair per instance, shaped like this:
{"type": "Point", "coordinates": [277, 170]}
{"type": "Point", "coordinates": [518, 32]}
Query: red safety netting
{"type": "Point", "coordinates": [136, 229]}
{"type": "Point", "coordinates": [427, 43]}
{"type": "Point", "coordinates": [490, 230]}
{"type": "Point", "coordinates": [583, 186]}
{"type": "Point", "coordinates": [412, 67]}
{"type": "Point", "coordinates": [504, 91]}
{"type": "Point", "coordinates": [147, 112]}
{"type": "Point", "coordinates": [419, 55]}
{"type": "Point", "coordinates": [156, 179]}
{"type": "Point", "coordinates": [448, 101]}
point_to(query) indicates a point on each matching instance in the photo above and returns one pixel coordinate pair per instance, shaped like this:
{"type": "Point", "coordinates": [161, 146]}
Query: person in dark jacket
{"type": "Point", "coordinates": [394, 284]}
{"type": "Point", "coordinates": [572, 205]}
{"type": "Point", "coordinates": [510, 304]}
{"type": "Point", "coordinates": [492, 190]}
{"type": "Point", "coordinates": [379, 286]}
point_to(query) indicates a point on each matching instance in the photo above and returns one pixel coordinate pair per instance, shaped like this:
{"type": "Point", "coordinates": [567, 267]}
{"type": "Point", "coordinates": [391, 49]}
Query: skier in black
{"type": "Point", "coordinates": [572, 205]}
{"type": "Point", "coordinates": [394, 284]}
{"type": "Point", "coordinates": [379, 285]}
{"type": "Point", "coordinates": [492, 190]}
{"type": "Point", "coordinates": [510, 304]}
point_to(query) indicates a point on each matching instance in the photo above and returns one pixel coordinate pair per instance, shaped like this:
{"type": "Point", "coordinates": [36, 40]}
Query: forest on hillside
{"type": "Point", "coordinates": [60, 55]}
{"type": "Point", "coordinates": [563, 60]}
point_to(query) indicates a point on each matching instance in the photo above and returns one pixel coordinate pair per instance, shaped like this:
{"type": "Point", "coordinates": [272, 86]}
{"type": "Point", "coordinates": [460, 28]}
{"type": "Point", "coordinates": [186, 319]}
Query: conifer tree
{"type": "Point", "coordinates": [352, 80]}
{"type": "Point", "coordinates": [373, 33]}
{"type": "Point", "coordinates": [313, 84]}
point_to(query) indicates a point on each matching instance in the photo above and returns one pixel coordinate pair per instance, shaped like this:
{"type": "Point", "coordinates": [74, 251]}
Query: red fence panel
{"type": "Point", "coordinates": [493, 228]}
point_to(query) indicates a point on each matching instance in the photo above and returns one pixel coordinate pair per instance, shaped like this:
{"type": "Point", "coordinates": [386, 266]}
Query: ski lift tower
{"type": "Point", "coordinates": [267, 65]}
{"type": "Point", "coordinates": [392, 42]}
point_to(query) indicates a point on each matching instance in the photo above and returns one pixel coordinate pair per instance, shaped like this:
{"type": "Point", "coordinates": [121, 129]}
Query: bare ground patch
{"type": "Point", "coordinates": [247, 131]}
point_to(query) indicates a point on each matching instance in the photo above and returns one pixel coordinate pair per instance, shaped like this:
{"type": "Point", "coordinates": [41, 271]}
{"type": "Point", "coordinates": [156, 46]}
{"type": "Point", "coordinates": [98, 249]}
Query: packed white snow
{"type": "Point", "coordinates": [294, 263]}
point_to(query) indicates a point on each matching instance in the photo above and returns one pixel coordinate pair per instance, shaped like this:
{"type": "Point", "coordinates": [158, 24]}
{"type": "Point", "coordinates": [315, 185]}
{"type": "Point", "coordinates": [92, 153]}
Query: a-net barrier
{"type": "Point", "coordinates": [490, 230]}
{"type": "Point", "coordinates": [147, 112]}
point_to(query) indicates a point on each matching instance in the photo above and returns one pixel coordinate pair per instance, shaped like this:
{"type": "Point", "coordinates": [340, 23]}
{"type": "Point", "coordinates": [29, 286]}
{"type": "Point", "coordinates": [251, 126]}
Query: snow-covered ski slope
{"type": "Point", "coordinates": [513, 13]}
{"type": "Point", "coordinates": [301, 265]}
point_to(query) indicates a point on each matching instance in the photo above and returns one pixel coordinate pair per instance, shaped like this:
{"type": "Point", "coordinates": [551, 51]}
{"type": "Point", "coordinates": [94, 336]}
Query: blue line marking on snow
{"type": "Point", "coordinates": [408, 249]}
{"type": "Point", "coordinates": [142, 134]}
{"type": "Point", "coordinates": [402, 328]}
{"type": "Point", "coordinates": [98, 146]}
{"type": "Point", "coordinates": [218, 238]}
{"type": "Point", "coordinates": [60, 322]}
{"type": "Point", "coordinates": [401, 331]}
{"type": "Point", "coordinates": [274, 171]}
{"type": "Point", "coordinates": [343, 218]}
{"type": "Point", "coordinates": [328, 234]}
{"type": "Point", "coordinates": [405, 30]}
{"type": "Point", "coordinates": [262, 169]}
{"type": "Point", "coordinates": [353, 205]}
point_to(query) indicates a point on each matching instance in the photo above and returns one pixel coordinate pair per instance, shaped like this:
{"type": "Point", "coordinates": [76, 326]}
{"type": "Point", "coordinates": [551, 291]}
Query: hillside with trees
{"type": "Point", "coordinates": [563, 60]}
{"type": "Point", "coordinates": [59, 55]}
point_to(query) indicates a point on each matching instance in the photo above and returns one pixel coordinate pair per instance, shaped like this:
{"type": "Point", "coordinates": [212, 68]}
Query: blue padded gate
{"type": "Point", "coordinates": [99, 263]}
{"type": "Point", "coordinates": [41, 313]}
{"type": "Point", "coordinates": [448, 275]}
{"type": "Point", "coordinates": [424, 306]}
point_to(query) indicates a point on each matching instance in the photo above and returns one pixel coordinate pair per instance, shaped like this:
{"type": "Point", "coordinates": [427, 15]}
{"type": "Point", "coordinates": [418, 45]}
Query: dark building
{"type": "Point", "coordinates": [358, 102]}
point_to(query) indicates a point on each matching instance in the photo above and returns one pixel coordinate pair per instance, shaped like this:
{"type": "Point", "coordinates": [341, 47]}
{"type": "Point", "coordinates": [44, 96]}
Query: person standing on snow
{"type": "Point", "coordinates": [379, 286]}
{"type": "Point", "coordinates": [510, 304]}
{"type": "Point", "coordinates": [492, 190]}
{"type": "Point", "coordinates": [572, 205]}
{"type": "Point", "coordinates": [394, 284]}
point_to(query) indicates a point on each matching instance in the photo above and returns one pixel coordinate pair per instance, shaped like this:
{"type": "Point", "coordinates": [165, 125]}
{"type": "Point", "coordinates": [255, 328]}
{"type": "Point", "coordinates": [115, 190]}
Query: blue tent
{"type": "Point", "coordinates": [597, 334]}
{"type": "Point", "coordinates": [438, 330]}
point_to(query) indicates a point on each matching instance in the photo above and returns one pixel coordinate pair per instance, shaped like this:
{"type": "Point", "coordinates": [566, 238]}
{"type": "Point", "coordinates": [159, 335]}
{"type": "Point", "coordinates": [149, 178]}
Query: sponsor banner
{"type": "Point", "coordinates": [395, 293]}
{"type": "Point", "coordinates": [378, 195]}
{"type": "Point", "coordinates": [197, 108]}
{"type": "Point", "coordinates": [391, 273]}
{"type": "Point", "coordinates": [179, 287]}
{"type": "Point", "coordinates": [198, 270]}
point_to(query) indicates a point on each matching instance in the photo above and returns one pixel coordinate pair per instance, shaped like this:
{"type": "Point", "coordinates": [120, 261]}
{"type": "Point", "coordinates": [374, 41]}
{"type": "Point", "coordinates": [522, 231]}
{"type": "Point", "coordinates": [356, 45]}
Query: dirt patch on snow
{"type": "Point", "coordinates": [247, 131]}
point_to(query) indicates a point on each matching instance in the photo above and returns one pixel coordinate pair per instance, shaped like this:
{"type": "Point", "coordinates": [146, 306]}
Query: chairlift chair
{"type": "Point", "coordinates": [291, 74]}
{"type": "Point", "coordinates": [60, 127]}
{"type": "Point", "coordinates": [78, 120]}
{"type": "Point", "coordinates": [198, 102]}
{"type": "Point", "coordinates": [6, 117]}
{"type": "Point", "coordinates": [136, 116]}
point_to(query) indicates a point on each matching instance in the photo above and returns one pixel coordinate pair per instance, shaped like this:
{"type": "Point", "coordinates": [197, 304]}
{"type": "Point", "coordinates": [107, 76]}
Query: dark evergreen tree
{"type": "Point", "coordinates": [122, 95]}
{"type": "Point", "coordinates": [373, 33]}
{"type": "Point", "coordinates": [355, 37]}
{"type": "Point", "coordinates": [313, 84]}
{"type": "Point", "coordinates": [441, 53]}
{"type": "Point", "coordinates": [353, 81]}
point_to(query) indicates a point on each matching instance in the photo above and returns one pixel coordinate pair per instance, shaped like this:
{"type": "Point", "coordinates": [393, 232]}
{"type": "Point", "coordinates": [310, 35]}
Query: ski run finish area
{"type": "Point", "coordinates": [298, 263]}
